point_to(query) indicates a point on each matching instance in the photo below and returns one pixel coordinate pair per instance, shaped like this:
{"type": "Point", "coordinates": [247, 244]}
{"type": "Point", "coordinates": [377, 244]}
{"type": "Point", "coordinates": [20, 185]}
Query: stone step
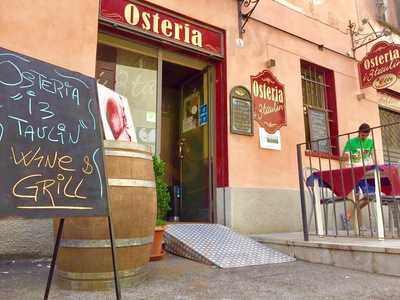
{"type": "Point", "coordinates": [368, 255]}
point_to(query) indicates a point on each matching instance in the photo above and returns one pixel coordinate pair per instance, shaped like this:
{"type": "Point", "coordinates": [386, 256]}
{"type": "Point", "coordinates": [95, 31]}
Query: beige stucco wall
{"type": "Point", "coordinates": [325, 24]}
{"type": "Point", "coordinates": [273, 169]}
{"type": "Point", "coordinates": [59, 32]}
{"type": "Point", "coordinates": [259, 186]}
{"type": "Point", "coordinates": [65, 33]}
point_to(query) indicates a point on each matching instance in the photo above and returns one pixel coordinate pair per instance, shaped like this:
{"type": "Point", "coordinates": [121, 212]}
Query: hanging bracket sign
{"type": "Point", "coordinates": [268, 101]}
{"type": "Point", "coordinates": [381, 66]}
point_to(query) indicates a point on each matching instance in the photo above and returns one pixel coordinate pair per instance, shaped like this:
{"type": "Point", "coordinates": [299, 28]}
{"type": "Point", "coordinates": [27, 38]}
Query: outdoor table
{"type": "Point", "coordinates": [343, 181]}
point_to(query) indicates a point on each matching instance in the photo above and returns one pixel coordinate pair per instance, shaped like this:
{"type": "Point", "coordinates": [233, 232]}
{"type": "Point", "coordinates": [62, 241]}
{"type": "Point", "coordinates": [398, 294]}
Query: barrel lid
{"type": "Point", "coordinates": [125, 145]}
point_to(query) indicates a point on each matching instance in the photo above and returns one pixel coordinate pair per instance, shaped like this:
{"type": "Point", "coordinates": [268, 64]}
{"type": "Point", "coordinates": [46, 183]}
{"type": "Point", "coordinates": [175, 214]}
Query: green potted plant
{"type": "Point", "coordinates": [163, 201]}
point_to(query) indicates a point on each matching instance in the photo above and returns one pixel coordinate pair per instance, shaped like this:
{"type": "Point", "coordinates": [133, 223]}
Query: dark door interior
{"type": "Point", "coordinates": [185, 140]}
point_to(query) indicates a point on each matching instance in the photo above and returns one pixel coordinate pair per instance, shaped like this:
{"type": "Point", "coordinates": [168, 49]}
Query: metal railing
{"type": "Point", "coordinates": [355, 194]}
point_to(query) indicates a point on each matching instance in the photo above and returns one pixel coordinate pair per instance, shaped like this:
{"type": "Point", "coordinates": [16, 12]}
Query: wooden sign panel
{"type": "Point", "coordinates": [51, 158]}
{"type": "Point", "coordinates": [241, 108]}
{"type": "Point", "coordinates": [319, 130]}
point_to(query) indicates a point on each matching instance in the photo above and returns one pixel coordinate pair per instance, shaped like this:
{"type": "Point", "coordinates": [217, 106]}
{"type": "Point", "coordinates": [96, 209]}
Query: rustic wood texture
{"type": "Point", "coordinates": [133, 215]}
{"type": "Point", "coordinates": [99, 260]}
{"type": "Point", "coordinates": [116, 167]}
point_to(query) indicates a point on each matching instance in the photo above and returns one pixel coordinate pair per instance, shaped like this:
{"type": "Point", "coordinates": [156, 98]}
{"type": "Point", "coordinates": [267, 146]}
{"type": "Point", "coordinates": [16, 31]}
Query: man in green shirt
{"type": "Point", "coordinates": [360, 149]}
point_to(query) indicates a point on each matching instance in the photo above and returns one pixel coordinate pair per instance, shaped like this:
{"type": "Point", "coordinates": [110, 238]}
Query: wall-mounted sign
{"type": "Point", "coordinates": [269, 101]}
{"type": "Point", "coordinates": [203, 114]}
{"type": "Point", "coordinates": [268, 140]}
{"type": "Point", "coordinates": [153, 21]}
{"type": "Point", "coordinates": [115, 115]}
{"type": "Point", "coordinates": [241, 109]}
{"type": "Point", "coordinates": [318, 122]}
{"type": "Point", "coordinates": [51, 156]}
{"type": "Point", "coordinates": [191, 105]}
{"type": "Point", "coordinates": [381, 67]}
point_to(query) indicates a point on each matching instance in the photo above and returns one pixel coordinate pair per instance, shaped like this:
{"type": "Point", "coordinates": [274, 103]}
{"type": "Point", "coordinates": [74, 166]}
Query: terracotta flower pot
{"type": "Point", "coordinates": [157, 252]}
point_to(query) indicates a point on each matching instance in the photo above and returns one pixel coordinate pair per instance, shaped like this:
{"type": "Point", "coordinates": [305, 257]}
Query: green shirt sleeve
{"type": "Point", "coordinates": [347, 147]}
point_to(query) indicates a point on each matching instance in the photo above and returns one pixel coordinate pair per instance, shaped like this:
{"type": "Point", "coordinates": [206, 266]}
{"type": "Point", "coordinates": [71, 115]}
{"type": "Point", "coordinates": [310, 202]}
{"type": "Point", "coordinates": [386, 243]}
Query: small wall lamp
{"type": "Point", "coordinates": [360, 96]}
{"type": "Point", "coordinates": [271, 63]}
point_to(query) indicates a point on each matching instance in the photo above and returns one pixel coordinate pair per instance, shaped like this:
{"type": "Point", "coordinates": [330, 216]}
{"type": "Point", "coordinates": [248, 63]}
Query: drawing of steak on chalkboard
{"type": "Point", "coordinates": [115, 115]}
{"type": "Point", "coordinates": [51, 158]}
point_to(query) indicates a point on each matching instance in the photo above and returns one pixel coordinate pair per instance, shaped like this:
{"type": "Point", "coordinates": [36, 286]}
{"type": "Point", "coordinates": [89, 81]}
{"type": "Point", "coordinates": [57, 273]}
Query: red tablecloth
{"type": "Point", "coordinates": [390, 179]}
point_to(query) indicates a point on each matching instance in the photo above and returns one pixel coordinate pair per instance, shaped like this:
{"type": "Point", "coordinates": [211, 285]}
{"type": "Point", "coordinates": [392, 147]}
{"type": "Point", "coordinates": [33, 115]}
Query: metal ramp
{"type": "Point", "coordinates": [215, 244]}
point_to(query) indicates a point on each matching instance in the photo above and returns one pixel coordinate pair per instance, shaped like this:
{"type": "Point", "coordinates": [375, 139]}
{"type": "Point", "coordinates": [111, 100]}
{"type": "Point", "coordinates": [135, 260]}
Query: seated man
{"type": "Point", "coordinates": [359, 151]}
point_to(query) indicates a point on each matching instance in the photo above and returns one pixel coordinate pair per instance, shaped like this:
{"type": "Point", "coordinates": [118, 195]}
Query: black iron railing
{"type": "Point", "coordinates": [353, 194]}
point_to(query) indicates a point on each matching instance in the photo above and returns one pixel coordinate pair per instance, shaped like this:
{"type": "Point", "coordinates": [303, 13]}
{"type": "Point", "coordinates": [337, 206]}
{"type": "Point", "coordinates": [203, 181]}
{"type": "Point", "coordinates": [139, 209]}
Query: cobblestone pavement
{"type": "Point", "coordinates": [179, 278]}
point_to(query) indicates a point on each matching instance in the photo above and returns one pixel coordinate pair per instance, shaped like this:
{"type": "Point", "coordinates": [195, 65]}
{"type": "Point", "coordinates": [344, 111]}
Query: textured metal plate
{"type": "Point", "coordinates": [215, 244]}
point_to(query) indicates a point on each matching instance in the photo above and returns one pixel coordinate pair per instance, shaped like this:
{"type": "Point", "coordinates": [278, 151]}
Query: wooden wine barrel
{"type": "Point", "coordinates": [84, 261]}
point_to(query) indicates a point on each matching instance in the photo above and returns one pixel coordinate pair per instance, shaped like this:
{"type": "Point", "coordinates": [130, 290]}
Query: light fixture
{"type": "Point", "coordinates": [270, 63]}
{"type": "Point", "coordinates": [239, 43]}
{"type": "Point", "coordinates": [364, 20]}
{"type": "Point", "coordinates": [360, 96]}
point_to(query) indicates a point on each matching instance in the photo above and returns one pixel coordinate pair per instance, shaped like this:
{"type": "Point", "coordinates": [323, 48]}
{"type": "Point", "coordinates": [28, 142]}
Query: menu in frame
{"type": "Point", "coordinates": [241, 108]}
{"type": "Point", "coordinates": [319, 130]}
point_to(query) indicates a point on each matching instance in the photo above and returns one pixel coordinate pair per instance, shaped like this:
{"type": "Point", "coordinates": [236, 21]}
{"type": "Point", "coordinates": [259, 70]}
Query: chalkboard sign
{"type": "Point", "coordinates": [241, 108]}
{"type": "Point", "coordinates": [51, 158]}
{"type": "Point", "coordinates": [317, 119]}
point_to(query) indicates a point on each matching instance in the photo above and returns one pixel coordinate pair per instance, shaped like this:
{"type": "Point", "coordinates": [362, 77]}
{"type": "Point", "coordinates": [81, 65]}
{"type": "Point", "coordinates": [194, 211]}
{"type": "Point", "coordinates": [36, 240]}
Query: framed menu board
{"type": "Point", "coordinates": [241, 108]}
{"type": "Point", "coordinates": [319, 129]}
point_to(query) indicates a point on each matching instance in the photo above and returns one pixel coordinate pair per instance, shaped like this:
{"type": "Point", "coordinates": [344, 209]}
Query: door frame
{"type": "Point", "coordinates": [218, 94]}
{"type": "Point", "coordinates": [209, 71]}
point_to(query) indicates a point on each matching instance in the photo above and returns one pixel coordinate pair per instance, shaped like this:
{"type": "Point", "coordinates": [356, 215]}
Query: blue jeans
{"type": "Point", "coordinates": [366, 187]}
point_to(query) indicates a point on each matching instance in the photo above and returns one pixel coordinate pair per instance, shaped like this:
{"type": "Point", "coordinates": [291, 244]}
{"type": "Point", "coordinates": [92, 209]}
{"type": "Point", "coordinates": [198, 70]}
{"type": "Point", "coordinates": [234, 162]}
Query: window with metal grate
{"type": "Point", "coordinates": [318, 90]}
{"type": "Point", "coordinates": [390, 135]}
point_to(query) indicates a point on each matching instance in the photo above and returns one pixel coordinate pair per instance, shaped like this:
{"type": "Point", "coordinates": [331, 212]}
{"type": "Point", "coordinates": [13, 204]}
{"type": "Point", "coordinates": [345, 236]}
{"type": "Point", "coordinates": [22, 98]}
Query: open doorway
{"type": "Point", "coordinates": [171, 99]}
{"type": "Point", "coordinates": [185, 141]}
